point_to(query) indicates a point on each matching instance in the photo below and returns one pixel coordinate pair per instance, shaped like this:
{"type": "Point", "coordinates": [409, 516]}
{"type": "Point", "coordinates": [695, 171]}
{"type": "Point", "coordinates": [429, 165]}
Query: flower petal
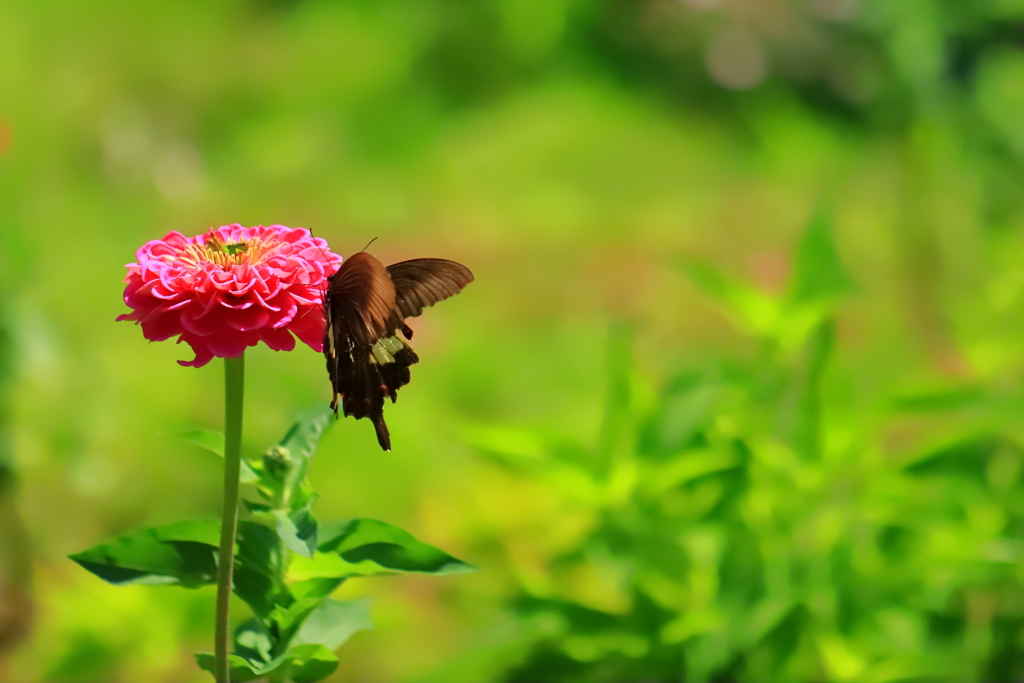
{"type": "Point", "coordinates": [220, 300]}
{"type": "Point", "coordinates": [248, 319]}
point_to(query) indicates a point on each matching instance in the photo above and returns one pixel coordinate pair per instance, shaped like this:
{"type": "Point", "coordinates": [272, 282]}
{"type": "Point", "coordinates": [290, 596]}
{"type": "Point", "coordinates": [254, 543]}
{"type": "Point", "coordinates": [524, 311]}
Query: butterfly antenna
{"type": "Point", "coordinates": [322, 252]}
{"type": "Point", "coordinates": [323, 290]}
{"type": "Point", "coordinates": [368, 244]}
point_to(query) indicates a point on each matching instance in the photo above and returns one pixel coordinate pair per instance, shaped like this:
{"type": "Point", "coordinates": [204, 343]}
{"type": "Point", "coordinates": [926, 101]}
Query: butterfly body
{"type": "Point", "coordinates": [366, 341]}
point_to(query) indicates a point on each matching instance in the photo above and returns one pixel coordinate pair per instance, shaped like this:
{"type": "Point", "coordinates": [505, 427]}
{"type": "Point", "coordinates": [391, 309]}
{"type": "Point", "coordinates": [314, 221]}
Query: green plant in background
{"type": "Point", "coordinates": [765, 519]}
{"type": "Point", "coordinates": [287, 563]}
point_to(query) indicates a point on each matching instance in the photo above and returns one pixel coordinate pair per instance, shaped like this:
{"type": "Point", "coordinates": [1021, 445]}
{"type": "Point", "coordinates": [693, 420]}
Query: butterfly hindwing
{"type": "Point", "coordinates": [397, 375]}
{"type": "Point", "coordinates": [366, 306]}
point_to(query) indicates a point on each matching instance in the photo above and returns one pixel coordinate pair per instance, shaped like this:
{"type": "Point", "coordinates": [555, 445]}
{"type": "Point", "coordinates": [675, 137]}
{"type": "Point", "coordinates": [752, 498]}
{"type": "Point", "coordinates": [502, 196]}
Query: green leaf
{"type": "Point", "coordinates": [282, 471]}
{"type": "Point", "coordinates": [662, 477]}
{"type": "Point", "coordinates": [304, 436]}
{"type": "Point", "coordinates": [306, 598]}
{"type": "Point", "coordinates": [242, 671]}
{"type": "Point", "coordinates": [306, 664]}
{"type": "Point", "coordinates": [750, 309]}
{"type": "Point", "coordinates": [207, 439]}
{"type": "Point", "coordinates": [253, 642]}
{"type": "Point", "coordinates": [367, 547]}
{"type": "Point", "coordinates": [302, 664]}
{"type": "Point", "coordinates": [315, 588]}
{"type": "Point", "coordinates": [807, 431]}
{"type": "Point", "coordinates": [334, 622]}
{"type": "Point", "coordinates": [213, 441]}
{"type": "Point", "coordinates": [183, 553]}
{"type": "Point", "coordinates": [258, 509]}
{"type": "Point", "coordinates": [686, 407]}
{"type": "Point", "coordinates": [297, 530]}
{"type": "Point", "coordinates": [259, 569]}
{"type": "Point", "coordinates": [818, 274]}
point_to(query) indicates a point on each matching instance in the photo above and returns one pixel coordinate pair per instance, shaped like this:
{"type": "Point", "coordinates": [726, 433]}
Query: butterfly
{"type": "Point", "coordinates": [366, 341]}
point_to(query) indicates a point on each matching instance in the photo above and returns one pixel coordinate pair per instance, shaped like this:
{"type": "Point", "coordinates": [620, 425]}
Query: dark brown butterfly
{"type": "Point", "coordinates": [366, 306]}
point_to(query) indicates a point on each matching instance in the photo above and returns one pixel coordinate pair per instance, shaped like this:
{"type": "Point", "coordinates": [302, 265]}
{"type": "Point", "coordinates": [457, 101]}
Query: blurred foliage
{"type": "Point", "coordinates": [741, 527]}
{"type": "Point", "coordinates": [807, 461]}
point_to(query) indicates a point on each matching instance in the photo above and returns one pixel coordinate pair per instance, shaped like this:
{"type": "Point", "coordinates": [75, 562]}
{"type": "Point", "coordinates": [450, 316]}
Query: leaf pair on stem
{"type": "Point", "coordinates": [287, 564]}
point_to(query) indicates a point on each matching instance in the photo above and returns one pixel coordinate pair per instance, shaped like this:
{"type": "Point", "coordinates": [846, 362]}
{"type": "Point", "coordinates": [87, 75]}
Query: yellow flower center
{"type": "Point", "coordinates": [226, 255]}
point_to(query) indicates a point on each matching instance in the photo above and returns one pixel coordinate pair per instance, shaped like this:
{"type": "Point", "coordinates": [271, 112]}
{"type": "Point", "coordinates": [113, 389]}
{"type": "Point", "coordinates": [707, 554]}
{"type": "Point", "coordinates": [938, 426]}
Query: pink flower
{"type": "Point", "coordinates": [231, 288]}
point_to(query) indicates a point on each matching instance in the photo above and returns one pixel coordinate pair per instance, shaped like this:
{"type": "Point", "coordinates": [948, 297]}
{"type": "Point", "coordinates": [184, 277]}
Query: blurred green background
{"type": "Point", "coordinates": [736, 395]}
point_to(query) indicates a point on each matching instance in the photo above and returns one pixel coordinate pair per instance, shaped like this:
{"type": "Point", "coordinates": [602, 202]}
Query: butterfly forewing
{"type": "Point", "coordinates": [423, 282]}
{"type": "Point", "coordinates": [362, 297]}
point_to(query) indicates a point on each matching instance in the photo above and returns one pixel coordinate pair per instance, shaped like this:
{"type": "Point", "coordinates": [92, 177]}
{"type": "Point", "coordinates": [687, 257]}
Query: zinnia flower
{"type": "Point", "coordinates": [231, 288]}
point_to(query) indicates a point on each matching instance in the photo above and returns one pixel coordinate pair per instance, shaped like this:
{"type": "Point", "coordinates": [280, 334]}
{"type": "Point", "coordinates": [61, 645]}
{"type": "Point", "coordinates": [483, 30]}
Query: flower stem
{"type": "Point", "coordinates": [234, 382]}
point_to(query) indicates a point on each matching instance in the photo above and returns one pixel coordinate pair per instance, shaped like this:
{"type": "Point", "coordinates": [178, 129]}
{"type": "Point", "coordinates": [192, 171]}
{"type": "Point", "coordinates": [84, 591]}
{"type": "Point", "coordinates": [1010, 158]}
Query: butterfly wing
{"type": "Point", "coordinates": [423, 282]}
{"type": "Point", "coordinates": [358, 304]}
{"type": "Point", "coordinates": [362, 297]}
{"type": "Point", "coordinates": [418, 283]}
{"type": "Point", "coordinates": [366, 358]}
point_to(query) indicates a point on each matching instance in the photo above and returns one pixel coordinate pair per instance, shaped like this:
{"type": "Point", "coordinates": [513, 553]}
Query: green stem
{"type": "Point", "coordinates": [234, 383]}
